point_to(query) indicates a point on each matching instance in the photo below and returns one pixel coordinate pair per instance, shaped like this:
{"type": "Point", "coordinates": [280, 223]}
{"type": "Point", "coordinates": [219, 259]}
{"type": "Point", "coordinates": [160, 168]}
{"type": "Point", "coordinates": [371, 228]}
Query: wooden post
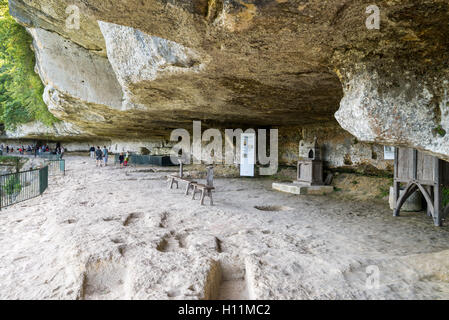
{"type": "Point", "coordinates": [298, 171]}
{"type": "Point", "coordinates": [430, 191]}
{"type": "Point", "coordinates": [181, 169]}
{"type": "Point", "coordinates": [396, 185]}
{"type": "Point", "coordinates": [415, 164]}
{"type": "Point", "coordinates": [203, 194]}
{"type": "Point", "coordinates": [210, 176]}
{"type": "Point", "coordinates": [437, 214]}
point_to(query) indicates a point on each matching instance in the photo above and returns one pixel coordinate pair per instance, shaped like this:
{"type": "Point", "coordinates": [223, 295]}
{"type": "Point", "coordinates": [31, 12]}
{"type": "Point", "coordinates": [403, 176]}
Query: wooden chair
{"type": "Point", "coordinates": [205, 189]}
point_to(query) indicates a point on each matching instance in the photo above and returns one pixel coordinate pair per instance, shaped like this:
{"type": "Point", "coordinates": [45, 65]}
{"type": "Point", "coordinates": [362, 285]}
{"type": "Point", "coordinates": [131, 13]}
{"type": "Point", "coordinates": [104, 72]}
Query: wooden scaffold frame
{"type": "Point", "coordinates": [419, 171]}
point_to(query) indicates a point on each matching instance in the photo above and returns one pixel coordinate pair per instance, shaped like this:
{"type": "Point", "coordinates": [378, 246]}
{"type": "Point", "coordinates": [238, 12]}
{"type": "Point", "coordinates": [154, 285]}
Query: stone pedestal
{"type": "Point", "coordinates": [310, 172]}
{"type": "Point", "coordinates": [301, 188]}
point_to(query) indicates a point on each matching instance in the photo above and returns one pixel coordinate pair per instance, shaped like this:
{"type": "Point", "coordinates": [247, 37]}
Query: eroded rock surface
{"type": "Point", "coordinates": [247, 63]}
{"type": "Point", "coordinates": [402, 109]}
{"type": "Point", "coordinates": [395, 79]}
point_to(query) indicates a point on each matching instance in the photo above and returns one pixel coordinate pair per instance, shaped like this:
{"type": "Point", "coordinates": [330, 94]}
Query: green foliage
{"type": "Point", "coordinates": [20, 87]}
{"type": "Point", "coordinates": [384, 192]}
{"type": "Point", "coordinates": [445, 196]}
{"type": "Point", "coordinates": [13, 185]}
{"type": "Point", "coordinates": [439, 130]}
{"type": "Point", "coordinates": [8, 159]}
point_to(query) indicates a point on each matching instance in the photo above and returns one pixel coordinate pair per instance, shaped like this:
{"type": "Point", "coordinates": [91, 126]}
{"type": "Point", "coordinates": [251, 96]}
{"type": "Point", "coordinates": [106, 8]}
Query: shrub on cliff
{"type": "Point", "coordinates": [20, 87]}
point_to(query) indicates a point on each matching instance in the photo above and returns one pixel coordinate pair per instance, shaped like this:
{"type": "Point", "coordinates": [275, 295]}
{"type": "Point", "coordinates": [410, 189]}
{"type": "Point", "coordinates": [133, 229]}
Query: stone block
{"type": "Point", "coordinates": [300, 189]}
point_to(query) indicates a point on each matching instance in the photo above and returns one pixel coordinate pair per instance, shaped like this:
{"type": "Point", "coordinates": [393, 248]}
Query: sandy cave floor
{"type": "Point", "coordinates": [121, 234]}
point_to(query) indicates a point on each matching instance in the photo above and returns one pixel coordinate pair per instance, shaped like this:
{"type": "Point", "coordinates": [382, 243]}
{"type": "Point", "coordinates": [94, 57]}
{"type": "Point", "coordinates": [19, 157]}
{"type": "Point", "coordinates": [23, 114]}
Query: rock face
{"type": "Point", "coordinates": [395, 80]}
{"type": "Point", "coordinates": [400, 110]}
{"type": "Point", "coordinates": [140, 68]}
{"type": "Point", "coordinates": [225, 62]}
{"type": "Point", "coordinates": [36, 130]}
{"type": "Point", "coordinates": [138, 58]}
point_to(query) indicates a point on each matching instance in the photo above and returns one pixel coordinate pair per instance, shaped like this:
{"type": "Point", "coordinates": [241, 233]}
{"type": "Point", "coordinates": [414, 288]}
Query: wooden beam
{"type": "Point", "coordinates": [437, 193]}
{"type": "Point", "coordinates": [415, 164]}
{"type": "Point", "coordinates": [411, 187]}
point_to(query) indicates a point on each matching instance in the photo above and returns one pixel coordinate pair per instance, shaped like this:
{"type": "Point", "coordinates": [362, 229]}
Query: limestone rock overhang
{"type": "Point", "coordinates": [237, 63]}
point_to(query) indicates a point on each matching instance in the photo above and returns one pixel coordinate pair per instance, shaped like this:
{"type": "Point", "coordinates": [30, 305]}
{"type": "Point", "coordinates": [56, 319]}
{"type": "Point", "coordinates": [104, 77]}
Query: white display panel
{"type": "Point", "coordinates": [247, 154]}
{"type": "Point", "coordinates": [388, 153]}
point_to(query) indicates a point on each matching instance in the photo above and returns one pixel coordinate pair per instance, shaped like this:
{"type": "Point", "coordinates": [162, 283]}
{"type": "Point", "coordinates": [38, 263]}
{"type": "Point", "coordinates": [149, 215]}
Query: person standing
{"type": "Point", "coordinates": [105, 156]}
{"type": "Point", "coordinates": [121, 158]}
{"type": "Point", "coordinates": [62, 152]}
{"type": "Point", "coordinates": [99, 155]}
{"type": "Point", "coordinates": [126, 159]}
{"type": "Point", "coordinates": [92, 152]}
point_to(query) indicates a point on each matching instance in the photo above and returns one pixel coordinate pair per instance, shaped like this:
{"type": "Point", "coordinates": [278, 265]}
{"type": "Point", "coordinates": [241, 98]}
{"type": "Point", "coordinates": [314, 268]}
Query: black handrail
{"type": "Point", "coordinates": [21, 186]}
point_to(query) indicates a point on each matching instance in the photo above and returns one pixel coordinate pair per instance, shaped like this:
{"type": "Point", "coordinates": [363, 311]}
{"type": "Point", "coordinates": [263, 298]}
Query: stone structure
{"type": "Point", "coordinates": [299, 189]}
{"type": "Point", "coordinates": [310, 168]}
{"type": "Point", "coordinates": [309, 172]}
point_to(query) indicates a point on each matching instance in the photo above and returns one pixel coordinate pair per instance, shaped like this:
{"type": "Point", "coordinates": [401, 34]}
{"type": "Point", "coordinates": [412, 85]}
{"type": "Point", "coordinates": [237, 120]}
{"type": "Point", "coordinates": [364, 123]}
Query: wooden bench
{"type": "Point", "coordinates": [205, 189]}
{"type": "Point", "coordinates": [175, 179]}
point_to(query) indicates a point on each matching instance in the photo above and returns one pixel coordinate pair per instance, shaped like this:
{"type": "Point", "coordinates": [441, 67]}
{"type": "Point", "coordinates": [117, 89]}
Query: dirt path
{"type": "Point", "coordinates": [119, 234]}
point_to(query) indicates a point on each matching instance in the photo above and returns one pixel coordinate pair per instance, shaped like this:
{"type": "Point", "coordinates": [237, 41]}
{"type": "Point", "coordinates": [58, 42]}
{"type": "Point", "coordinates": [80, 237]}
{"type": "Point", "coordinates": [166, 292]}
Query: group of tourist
{"type": "Point", "coordinates": [123, 159]}
{"type": "Point", "coordinates": [32, 149]}
{"type": "Point", "coordinates": [101, 156]}
{"type": "Point", "coordinates": [21, 150]}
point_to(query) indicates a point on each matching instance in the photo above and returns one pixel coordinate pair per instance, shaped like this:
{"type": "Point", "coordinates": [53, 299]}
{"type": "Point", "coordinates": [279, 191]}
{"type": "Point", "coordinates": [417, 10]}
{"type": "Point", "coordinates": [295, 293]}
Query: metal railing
{"type": "Point", "coordinates": [21, 186]}
{"type": "Point", "coordinates": [55, 166]}
{"type": "Point", "coordinates": [137, 159]}
{"type": "Point", "coordinates": [48, 155]}
{"type": "Point", "coordinates": [43, 155]}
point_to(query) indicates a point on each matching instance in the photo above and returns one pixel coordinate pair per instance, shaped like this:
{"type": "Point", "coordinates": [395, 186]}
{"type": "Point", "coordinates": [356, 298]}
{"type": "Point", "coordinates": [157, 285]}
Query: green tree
{"type": "Point", "coordinates": [20, 87]}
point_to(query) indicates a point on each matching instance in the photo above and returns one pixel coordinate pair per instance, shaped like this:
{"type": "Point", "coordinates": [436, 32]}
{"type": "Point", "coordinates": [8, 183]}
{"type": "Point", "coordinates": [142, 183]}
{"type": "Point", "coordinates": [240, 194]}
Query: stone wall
{"type": "Point", "coordinates": [339, 148]}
